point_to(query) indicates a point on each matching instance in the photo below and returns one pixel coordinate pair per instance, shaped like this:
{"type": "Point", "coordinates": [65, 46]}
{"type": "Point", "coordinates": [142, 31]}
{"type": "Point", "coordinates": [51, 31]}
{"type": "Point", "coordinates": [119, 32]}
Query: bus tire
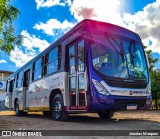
{"type": "Point", "coordinates": [57, 111]}
{"type": "Point", "coordinates": [106, 114]}
{"type": "Point", "coordinates": [18, 112]}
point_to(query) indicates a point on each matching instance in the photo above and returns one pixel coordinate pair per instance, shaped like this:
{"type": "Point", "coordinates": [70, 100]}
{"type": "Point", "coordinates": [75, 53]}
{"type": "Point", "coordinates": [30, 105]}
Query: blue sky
{"type": "Point", "coordinates": [41, 22]}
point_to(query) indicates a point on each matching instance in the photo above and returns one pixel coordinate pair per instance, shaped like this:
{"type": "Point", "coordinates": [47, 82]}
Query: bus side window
{"type": "Point", "coordinates": [72, 60]}
{"type": "Point", "coordinates": [37, 69]}
{"type": "Point", "coordinates": [19, 79]}
{"type": "Point", "coordinates": [53, 61]}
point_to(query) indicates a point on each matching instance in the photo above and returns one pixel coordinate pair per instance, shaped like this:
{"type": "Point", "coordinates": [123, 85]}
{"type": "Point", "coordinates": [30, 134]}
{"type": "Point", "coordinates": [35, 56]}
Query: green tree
{"type": "Point", "coordinates": [155, 76]}
{"type": "Point", "coordinates": [151, 59]}
{"type": "Point", "coordinates": [155, 80]}
{"type": "Point", "coordinates": [8, 14]}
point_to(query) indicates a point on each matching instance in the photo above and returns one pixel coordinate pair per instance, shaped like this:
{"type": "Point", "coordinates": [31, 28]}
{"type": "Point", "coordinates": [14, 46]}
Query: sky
{"type": "Point", "coordinates": [41, 22]}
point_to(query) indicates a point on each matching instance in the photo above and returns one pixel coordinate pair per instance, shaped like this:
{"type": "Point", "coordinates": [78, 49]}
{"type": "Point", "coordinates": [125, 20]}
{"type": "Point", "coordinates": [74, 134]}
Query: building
{"type": "Point", "coordinates": [3, 77]}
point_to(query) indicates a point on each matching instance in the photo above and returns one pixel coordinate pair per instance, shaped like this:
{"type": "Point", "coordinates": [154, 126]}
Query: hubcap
{"type": "Point", "coordinates": [57, 108]}
{"type": "Point", "coordinates": [17, 109]}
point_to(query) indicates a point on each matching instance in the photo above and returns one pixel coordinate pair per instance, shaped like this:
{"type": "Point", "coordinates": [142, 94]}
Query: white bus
{"type": "Point", "coordinates": [94, 67]}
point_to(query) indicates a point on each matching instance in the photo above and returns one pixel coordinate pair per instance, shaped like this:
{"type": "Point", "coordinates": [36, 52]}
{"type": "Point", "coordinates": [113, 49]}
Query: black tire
{"type": "Point", "coordinates": [17, 111]}
{"type": "Point", "coordinates": [46, 113]}
{"type": "Point", "coordinates": [106, 114]}
{"type": "Point", "coordinates": [57, 111]}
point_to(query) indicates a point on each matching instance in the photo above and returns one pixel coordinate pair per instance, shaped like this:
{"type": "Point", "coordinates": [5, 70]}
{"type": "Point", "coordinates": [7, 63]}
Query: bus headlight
{"type": "Point", "coordinates": [149, 90]}
{"type": "Point", "coordinates": [100, 88]}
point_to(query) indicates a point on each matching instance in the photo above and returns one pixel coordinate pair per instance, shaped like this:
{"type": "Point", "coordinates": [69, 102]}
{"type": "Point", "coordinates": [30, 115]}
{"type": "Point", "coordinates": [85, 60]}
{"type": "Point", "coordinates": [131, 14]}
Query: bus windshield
{"type": "Point", "coordinates": [117, 57]}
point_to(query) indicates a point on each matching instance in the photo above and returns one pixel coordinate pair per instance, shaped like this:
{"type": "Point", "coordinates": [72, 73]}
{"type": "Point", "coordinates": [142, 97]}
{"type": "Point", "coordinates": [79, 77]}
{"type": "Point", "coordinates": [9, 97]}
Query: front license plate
{"type": "Point", "coordinates": [131, 107]}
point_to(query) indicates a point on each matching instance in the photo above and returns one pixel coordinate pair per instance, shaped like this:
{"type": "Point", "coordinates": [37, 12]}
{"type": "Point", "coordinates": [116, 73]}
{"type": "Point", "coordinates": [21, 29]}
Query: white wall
{"type": "Point", "coordinates": [2, 85]}
{"type": "Point", "coordinates": [2, 90]}
{"type": "Point", "coordinates": [2, 95]}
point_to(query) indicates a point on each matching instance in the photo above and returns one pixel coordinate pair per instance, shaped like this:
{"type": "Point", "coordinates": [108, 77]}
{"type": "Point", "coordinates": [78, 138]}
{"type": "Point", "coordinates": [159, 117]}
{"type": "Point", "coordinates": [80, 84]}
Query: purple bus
{"type": "Point", "coordinates": [95, 67]}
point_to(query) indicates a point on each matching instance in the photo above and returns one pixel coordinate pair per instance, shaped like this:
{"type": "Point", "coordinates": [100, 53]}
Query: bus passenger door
{"type": "Point", "coordinates": [11, 85]}
{"type": "Point", "coordinates": [25, 89]}
{"type": "Point", "coordinates": [77, 81]}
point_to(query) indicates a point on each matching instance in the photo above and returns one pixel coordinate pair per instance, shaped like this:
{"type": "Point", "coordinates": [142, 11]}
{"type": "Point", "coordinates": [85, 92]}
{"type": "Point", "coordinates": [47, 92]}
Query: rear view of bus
{"type": "Point", "coordinates": [118, 70]}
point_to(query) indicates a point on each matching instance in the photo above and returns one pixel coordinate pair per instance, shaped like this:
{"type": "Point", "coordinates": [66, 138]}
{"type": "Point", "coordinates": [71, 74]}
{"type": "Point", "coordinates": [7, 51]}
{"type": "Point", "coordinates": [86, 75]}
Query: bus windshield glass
{"type": "Point", "coordinates": [120, 58]}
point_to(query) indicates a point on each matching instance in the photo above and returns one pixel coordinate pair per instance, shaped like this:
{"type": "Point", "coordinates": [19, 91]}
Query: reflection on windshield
{"type": "Point", "coordinates": [118, 58]}
{"type": "Point", "coordinates": [136, 61]}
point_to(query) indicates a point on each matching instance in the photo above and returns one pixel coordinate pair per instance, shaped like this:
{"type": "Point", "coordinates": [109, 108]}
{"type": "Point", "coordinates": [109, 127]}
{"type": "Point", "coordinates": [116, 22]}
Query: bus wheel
{"type": "Point", "coordinates": [18, 112]}
{"type": "Point", "coordinates": [106, 114]}
{"type": "Point", "coordinates": [58, 112]}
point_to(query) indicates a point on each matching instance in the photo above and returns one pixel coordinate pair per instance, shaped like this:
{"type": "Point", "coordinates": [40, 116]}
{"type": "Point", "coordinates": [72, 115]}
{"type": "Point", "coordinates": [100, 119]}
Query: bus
{"type": "Point", "coordinates": [95, 67]}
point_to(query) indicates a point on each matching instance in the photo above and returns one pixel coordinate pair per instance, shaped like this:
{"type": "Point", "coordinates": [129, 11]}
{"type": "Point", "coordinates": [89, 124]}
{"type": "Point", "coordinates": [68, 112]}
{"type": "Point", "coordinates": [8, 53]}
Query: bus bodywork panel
{"type": "Point", "coordinates": [39, 91]}
{"type": "Point", "coordinates": [112, 29]}
{"type": "Point", "coordinates": [118, 96]}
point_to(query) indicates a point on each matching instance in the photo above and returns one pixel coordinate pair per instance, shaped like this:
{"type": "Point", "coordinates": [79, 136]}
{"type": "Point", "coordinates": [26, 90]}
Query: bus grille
{"type": "Point", "coordinates": [122, 103]}
{"type": "Point", "coordinates": [126, 84]}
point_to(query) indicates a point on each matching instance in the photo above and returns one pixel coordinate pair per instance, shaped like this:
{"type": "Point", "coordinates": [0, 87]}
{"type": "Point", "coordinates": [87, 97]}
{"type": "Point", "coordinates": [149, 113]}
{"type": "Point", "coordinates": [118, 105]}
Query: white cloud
{"type": "Point", "coordinates": [147, 24]}
{"type": "Point", "coordinates": [48, 3]}
{"type": "Point", "coordinates": [52, 26]}
{"type": "Point", "coordinates": [31, 43]}
{"type": "Point", "coordinates": [3, 61]}
{"type": "Point", "coordinates": [103, 10]}
{"type": "Point", "coordinates": [20, 57]}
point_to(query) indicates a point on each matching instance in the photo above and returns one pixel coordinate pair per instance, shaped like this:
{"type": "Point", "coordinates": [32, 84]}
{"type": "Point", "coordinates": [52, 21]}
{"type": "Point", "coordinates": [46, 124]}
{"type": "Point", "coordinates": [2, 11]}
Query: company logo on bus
{"type": "Point", "coordinates": [131, 93]}
{"type": "Point", "coordinates": [137, 92]}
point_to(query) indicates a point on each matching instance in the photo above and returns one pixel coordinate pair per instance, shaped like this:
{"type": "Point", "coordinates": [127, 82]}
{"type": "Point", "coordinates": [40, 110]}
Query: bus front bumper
{"type": "Point", "coordinates": [119, 103]}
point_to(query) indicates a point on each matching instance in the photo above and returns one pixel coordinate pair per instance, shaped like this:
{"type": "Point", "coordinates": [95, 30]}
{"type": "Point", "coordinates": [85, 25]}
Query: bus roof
{"type": "Point", "coordinates": [70, 32]}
